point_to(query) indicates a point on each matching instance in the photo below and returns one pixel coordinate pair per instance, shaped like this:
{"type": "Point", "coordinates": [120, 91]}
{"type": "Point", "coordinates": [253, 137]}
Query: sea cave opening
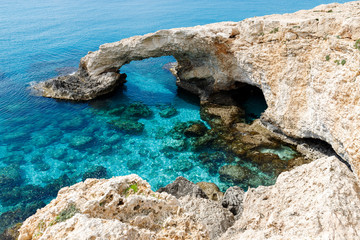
{"type": "Point", "coordinates": [320, 148]}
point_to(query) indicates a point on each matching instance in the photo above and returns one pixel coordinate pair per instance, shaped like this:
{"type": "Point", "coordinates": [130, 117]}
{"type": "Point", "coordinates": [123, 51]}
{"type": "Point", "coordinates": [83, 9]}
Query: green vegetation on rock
{"type": "Point", "coordinates": [133, 187]}
{"type": "Point", "coordinates": [67, 213]}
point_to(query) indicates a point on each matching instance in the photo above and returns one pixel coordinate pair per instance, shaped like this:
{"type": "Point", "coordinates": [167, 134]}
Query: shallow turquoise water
{"type": "Point", "coordinates": [42, 39]}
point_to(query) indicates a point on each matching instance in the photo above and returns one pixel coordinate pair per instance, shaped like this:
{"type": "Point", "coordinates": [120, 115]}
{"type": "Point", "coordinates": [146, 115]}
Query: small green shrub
{"type": "Point", "coordinates": [330, 11]}
{"type": "Point", "coordinates": [67, 213]}
{"type": "Point", "coordinates": [357, 44]}
{"type": "Point", "coordinates": [327, 58]}
{"type": "Point", "coordinates": [343, 62]}
{"type": "Point", "coordinates": [133, 187]}
{"type": "Point", "coordinates": [275, 30]}
{"type": "Point", "coordinates": [337, 62]}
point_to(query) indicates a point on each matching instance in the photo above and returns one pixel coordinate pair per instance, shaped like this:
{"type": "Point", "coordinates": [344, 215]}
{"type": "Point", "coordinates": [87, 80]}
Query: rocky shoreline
{"type": "Point", "coordinates": [289, 57]}
{"type": "Point", "coordinates": [306, 64]}
{"type": "Point", "coordinates": [318, 200]}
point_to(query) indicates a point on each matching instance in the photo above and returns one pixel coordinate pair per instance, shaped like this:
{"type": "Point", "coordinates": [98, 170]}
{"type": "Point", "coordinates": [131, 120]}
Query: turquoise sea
{"type": "Point", "coordinates": [46, 144]}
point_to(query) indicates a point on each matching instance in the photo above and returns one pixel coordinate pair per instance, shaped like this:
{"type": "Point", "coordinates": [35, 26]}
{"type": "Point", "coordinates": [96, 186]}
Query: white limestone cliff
{"type": "Point", "coordinates": [125, 208]}
{"type": "Point", "coordinates": [305, 63]}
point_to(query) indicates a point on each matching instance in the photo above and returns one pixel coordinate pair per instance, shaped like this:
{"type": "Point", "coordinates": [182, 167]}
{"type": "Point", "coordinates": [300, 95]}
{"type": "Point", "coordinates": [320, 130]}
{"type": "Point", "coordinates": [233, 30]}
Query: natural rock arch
{"type": "Point", "coordinates": [286, 56]}
{"type": "Point", "coordinates": [202, 68]}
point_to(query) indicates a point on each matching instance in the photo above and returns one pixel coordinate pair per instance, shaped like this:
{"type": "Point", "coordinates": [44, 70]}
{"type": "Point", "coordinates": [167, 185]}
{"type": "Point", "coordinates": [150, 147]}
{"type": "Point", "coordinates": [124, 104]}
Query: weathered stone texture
{"type": "Point", "coordinates": [319, 200]}
{"type": "Point", "coordinates": [125, 208]}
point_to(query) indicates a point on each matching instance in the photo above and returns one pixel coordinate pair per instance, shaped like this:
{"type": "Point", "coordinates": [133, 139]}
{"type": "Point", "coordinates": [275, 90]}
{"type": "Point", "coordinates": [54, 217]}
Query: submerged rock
{"type": "Point", "coordinates": [195, 130]}
{"type": "Point", "coordinates": [44, 166]}
{"type": "Point", "coordinates": [128, 126]}
{"type": "Point", "coordinates": [178, 131]}
{"type": "Point", "coordinates": [234, 173]}
{"type": "Point", "coordinates": [11, 218]}
{"type": "Point", "coordinates": [133, 163]}
{"type": "Point", "coordinates": [117, 110]}
{"type": "Point", "coordinates": [182, 187]}
{"type": "Point", "coordinates": [80, 141]}
{"type": "Point", "coordinates": [10, 176]}
{"type": "Point", "coordinates": [13, 159]}
{"type": "Point", "coordinates": [138, 110]}
{"type": "Point", "coordinates": [60, 153]}
{"type": "Point", "coordinates": [168, 111]}
{"type": "Point", "coordinates": [212, 161]}
{"type": "Point", "coordinates": [173, 145]}
{"type": "Point", "coordinates": [11, 233]}
{"type": "Point", "coordinates": [219, 115]}
{"type": "Point", "coordinates": [95, 172]}
{"type": "Point", "coordinates": [183, 165]}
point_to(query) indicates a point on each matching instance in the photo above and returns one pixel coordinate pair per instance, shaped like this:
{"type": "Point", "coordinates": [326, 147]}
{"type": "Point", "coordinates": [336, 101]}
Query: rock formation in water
{"type": "Point", "coordinates": [306, 64]}
{"type": "Point", "coordinates": [319, 200]}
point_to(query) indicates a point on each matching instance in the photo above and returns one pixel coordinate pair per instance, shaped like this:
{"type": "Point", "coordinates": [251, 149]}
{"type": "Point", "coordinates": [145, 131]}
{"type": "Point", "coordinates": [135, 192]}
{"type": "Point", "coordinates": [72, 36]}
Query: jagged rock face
{"type": "Point", "coordinates": [125, 208]}
{"type": "Point", "coordinates": [319, 200]}
{"type": "Point", "coordinates": [306, 64]}
{"type": "Point", "coordinates": [233, 200]}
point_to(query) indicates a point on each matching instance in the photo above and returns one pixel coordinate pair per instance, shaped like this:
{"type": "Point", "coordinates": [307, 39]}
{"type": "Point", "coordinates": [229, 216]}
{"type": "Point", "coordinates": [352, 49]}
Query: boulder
{"type": "Point", "coordinates": [211, 190]}
{"type": "Point", "coordinates": [182, 187]}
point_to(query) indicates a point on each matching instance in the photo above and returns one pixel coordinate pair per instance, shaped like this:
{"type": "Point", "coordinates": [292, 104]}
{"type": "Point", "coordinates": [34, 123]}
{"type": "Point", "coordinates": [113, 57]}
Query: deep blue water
{"type": "Point", "coordinates": [42, 139]}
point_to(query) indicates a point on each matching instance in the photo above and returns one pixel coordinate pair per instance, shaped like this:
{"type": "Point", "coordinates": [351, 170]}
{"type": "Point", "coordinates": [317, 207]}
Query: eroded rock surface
{"type": "Point", "coordinates": [211, 190]}
{"type": "Point", "coordinates": [319, 200]}
{"type": "Point", "coordinates": [233, 200]}
{"type": "Point", "coordinates": [217, 221]}
{"type": "Point", "coordinates": [125, 208]}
